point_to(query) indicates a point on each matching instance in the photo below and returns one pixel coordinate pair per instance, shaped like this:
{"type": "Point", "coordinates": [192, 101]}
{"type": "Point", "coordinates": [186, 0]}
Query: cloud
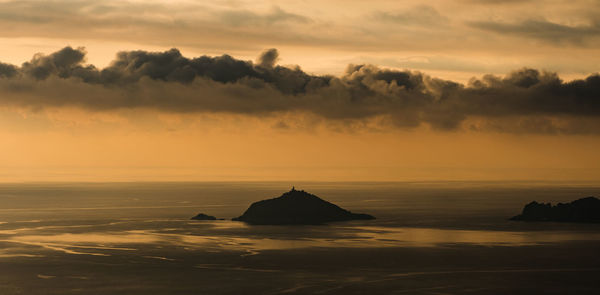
{"type": "Point", "coordinates": [7, 70]}
{"type": "Point", "coordinates": [268, 58]}
{"type": "Point", "coordinates": [543, 30]}
{"type": "Point", "coordinates": [496, 2]}
{"type": "Point", "coordinates": [422, 15]}
{"type": "Point", "coordinates": [275, 16]}
{"type": "Point", "coordinates": [540, 102]}
{"type": "Point", "coordinates": [64, 63]}
{"type": "Point", "coordinates": [381, 29]}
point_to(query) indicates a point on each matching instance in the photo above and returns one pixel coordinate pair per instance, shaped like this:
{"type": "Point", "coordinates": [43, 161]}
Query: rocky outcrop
{"type": "Point", "coordinates": [202, 216]}
{"type": "Point", "coordinates": [297, 207]}
{"type": "Point", "coordinates": [582, 210]}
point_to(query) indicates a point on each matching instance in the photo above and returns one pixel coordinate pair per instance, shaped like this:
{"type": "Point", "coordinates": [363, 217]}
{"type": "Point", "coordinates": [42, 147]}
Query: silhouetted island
{"type": "Point", "coordinates": [582, 210]}
{"type": "Point", "coordinates": [297, 207]}
{"type": "Point", "coordinates": [202, 216]}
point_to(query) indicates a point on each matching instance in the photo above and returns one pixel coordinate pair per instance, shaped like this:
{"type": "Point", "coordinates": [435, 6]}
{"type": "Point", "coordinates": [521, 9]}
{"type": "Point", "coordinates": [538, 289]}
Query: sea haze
{"type": "Point", "coordinates": [428, 238]}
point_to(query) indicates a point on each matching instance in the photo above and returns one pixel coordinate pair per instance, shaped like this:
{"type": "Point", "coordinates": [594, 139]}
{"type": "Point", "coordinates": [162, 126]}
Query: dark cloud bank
{"type": "Point", "coordinates": [524, 101]}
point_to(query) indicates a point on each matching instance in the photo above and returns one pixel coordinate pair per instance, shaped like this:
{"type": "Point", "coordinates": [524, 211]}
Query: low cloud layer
{"type": "Point", "coordinates": [525, 100]}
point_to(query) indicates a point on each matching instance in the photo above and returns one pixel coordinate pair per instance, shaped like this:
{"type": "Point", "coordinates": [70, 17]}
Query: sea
{"type": "Point", "coordinates": [427, 238]}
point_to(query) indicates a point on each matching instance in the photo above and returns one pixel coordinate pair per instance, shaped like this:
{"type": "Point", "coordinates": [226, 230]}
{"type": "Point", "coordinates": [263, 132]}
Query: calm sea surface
{"type": "Point", "coordinates": [428, 238]}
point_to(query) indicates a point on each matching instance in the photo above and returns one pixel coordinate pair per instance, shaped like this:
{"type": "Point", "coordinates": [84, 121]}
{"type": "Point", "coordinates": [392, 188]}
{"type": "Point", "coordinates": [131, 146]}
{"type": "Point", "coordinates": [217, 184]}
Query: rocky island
{"type": "Point", "coordinates": [297, 207]}
{"type": "Point", "coordinates": [583, 210]}
{"type": "Point", "coordinates": [202, 216]}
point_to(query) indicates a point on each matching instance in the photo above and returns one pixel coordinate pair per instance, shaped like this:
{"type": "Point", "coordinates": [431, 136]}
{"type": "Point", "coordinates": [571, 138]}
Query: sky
{"type": "Point", "coordinates": [454, 90]}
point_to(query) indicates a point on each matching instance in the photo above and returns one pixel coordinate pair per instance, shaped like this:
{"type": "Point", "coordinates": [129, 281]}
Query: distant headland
{"type": "Point", "coordinates": [583, 210]}
{"type": "Point", "coordinates": [297, 207]}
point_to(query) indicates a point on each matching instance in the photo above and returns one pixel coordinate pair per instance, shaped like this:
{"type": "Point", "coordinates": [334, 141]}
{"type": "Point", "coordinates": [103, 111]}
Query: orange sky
{"type": "Point", "coordinates": [78, 146]}
{"type": "Point", "coordinates": [452, 40]}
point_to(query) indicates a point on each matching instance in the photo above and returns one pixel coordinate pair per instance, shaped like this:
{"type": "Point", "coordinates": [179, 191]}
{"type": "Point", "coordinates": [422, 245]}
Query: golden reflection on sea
{"type": "Point", "coordinates": [235, 236]}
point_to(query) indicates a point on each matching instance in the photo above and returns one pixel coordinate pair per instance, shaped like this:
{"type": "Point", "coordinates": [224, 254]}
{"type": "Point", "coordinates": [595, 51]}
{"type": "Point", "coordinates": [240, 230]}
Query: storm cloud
{"type": "Point", "coordinates": [525, 100]}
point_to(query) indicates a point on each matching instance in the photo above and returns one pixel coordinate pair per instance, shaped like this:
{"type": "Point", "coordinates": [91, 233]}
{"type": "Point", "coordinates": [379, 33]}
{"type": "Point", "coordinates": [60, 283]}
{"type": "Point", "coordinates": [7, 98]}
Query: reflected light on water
{"type": "Point", "coordinates": [218, 236]}
{"type": "Point", "coordinates": [422, 237]}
